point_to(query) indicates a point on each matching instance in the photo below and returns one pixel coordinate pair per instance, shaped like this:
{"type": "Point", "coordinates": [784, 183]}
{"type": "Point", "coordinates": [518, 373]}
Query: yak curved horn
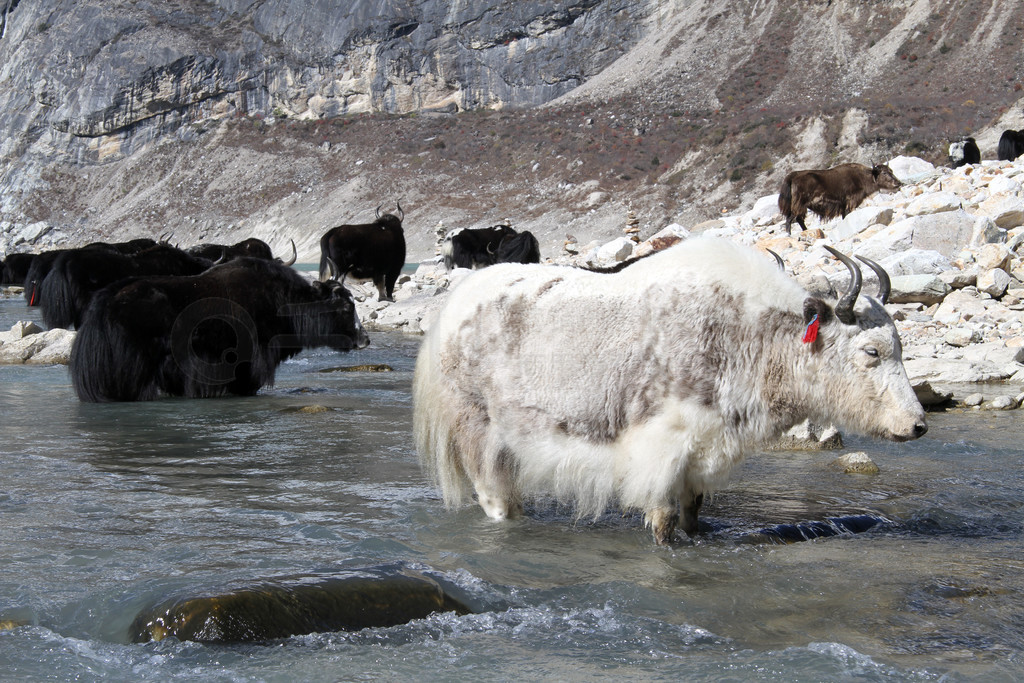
{"type": "Point", "coordinates": [333, 267]}
{"type": "Point", "coordinates": [377, 211]}
{"type": "Point", "coordinates": [165, 237]}
{"type": "Point", "coordinates": [488, 248]}
{"type": "Point", "coordinates": [401, 217]}
{"type": "Point", "coordinates": [778, 259]}
{"type": "Point", "coordinates": [844, 308]}
{"type": "Point", "coordinates": [884, 284]}
{"type": "Point", "coordinates": [223, 258]}
{"type": "Point", "coordinates": [295, 255]}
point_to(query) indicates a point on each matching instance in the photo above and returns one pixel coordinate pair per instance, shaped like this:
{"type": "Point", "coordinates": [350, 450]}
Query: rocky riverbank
{"type": "Point", "coordinates": [950, 239]}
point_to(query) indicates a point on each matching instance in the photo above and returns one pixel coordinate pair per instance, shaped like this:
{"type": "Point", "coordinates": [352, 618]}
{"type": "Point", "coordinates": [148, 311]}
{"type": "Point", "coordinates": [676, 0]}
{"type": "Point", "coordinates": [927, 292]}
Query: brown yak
{"type": "Point", "coordinates": [831, 192]}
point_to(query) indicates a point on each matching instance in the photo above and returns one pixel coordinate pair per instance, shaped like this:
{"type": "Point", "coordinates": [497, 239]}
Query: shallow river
{"type": "Point", "coordinates": [108, 509]}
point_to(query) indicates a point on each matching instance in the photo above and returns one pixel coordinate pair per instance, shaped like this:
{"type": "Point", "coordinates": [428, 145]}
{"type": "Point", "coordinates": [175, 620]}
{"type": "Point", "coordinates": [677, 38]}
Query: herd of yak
{"type": "Point", "coordinates": [215, 319]}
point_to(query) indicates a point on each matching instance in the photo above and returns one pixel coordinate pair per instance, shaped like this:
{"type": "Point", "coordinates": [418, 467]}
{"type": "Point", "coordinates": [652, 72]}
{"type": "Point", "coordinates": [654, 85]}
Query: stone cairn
{"type": "Point", "coordinates": [632, 229]}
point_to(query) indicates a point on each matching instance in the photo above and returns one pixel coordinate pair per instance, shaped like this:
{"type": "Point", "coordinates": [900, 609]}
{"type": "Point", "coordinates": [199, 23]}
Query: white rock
{"type": "Point", "coordinates": [959, 305]}
{"type": "Point", "coordinates": [1004, 185]}
{"type": "Point", "coordinates": [958, 279]}
{"type": "Point", "coordinates": [944, 232]}
{"type": "Point", "coordinates": [856, 463]}
{"type": "Point", "coordinates": [962, 336]}
{"type": "Point", "coordinates": [934, 202]}
{"type": "Point", "coordinates": [23, 329]}
{"type": "Point", "coordinates": [915, 262]}
{"type": "Point", "coordinates": [858, 220]}
{"type": "Point", "coordinates": [617, 250]}
{"type": "Point", "coordinates": [994, 282]}
{"type": "Point", "coordinates": [1003, 403]}
{"type": "Point", "coordinates": [974, 399]}
{"type": "Point", "coordinates": [1007, 211]}
{"type": "Point", "coordinates": [31, 233]}
{"type": "Point", "coordinates": [910, 169]}
{"type": "Point", "coordinates": [993, 256]}
{"type": "Point", "coordinates": [764, 212]}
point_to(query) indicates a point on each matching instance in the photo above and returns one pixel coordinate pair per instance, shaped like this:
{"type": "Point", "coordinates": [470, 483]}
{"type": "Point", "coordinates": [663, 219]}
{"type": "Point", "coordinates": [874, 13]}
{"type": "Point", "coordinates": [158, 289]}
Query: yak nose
{"type": "Point", "coordinates": [363, 340]}
{"type": "Point", "coordinates": [919, 430]}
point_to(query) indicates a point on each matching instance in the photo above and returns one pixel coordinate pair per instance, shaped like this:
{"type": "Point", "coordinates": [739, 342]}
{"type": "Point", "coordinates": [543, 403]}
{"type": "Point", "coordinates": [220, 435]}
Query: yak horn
{"type": "Point", "coordinates": [884, 284]}
{"type": "Point", "coordinates": [778, 259]}
{"type": "Point", "coordinates": [295, 255]}
{"type": "Point", "coordinates": [333, 268]}
{"type": "Point", "coordinates": [377, 211]}
{"type": "Point", "coordinates": [844, 309]}
{"type": "Point", "coordinates": [402, 216]}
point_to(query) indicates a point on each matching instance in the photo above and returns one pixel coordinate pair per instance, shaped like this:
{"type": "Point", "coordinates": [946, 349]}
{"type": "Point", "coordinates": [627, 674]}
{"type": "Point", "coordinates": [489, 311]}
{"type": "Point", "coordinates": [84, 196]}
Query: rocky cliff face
{"type": "Point", "coordinates": [219, 119]}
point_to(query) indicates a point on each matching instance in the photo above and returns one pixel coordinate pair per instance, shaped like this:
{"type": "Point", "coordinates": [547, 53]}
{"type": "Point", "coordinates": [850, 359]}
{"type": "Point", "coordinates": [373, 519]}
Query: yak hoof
{"type": "Point", "coordinates": [663, 524]}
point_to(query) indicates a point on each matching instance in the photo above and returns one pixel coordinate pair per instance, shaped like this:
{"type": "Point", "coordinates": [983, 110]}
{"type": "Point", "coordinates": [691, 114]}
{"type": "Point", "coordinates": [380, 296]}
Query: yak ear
{"type": "Point", "coordinates": [813, 306]}
{"type": "Point", "coordinates": [816, 313]}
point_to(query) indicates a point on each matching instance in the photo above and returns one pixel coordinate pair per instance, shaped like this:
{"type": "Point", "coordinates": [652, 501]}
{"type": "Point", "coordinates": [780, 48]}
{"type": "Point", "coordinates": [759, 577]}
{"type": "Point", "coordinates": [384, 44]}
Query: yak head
{"type": "Point", "coordinates": [861, 361]}
{"type": "Point", "coordinates": [885, 179]}
{"type": "Point", "coordinates": [391, 221]}
{"type": "Point", "coordinates": [331, 318]}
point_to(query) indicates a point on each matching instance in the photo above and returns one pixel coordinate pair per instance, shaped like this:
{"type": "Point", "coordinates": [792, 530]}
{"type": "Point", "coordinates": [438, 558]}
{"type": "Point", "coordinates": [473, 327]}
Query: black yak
{"type": "Point", "coordinates": [224, 331]}
{"type": "Point", "coordinates": [366, 251]}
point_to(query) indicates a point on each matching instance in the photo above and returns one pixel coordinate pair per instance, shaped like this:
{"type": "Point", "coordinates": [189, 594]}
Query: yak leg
{"type": "Point", "coordinates": [663, 522]}
{"type": "Point", "coordinates": [389, 282]}
{"type": "Point", "coordinates": [382, 294]}
{"type": "Point", "coordinates": [495, 483]}
{"type": "Point", "coordinates": [691, 505]}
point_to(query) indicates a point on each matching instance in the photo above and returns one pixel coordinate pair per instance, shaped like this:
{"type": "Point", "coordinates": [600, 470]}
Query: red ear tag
{"type": "Point", "coordinates": [811, 333]}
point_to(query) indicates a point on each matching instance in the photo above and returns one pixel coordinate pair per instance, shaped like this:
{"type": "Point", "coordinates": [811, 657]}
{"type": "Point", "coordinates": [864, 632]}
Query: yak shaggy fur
{"type": "Point", "coordinates": [641, 388]}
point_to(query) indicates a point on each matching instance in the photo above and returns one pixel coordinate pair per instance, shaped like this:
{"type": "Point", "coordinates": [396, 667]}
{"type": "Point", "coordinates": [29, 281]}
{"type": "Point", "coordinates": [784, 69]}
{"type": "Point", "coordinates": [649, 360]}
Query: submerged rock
{"type": "Point", "coordinates": [374, 367]}
{"type": "Point", "coordinates": [856, 463]}
{"type": "Point", "coordinates": [806, 531]}
{"type": "Point", "coordinates": [366, 598]}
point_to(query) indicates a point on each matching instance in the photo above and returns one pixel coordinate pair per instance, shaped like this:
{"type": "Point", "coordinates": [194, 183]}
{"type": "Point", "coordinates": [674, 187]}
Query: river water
{"type": "Point", "coordinates": [108, 509]}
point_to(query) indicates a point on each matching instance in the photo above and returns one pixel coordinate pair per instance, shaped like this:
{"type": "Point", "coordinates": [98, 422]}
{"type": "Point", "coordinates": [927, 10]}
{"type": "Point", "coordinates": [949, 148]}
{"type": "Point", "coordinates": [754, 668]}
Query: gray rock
{"type": "Point", "coordinates": [942, 232]}
{"type": "Point", "coordinates": [974, 399]}
{"type": "Point", "coordinates": [916, 262]}
{"type": "Point", "coordinates": [808, 436]}
{"type": "Point", "coordinates": [962, 336]}
{"type": "Point", "coordinates": [929, 397]}
{"type": "Point", "coordinates": [958, 279]}
{"type": "Point", "coordinates": [925, 289]}
{"type": "Point", "coordinates": [986, 231]}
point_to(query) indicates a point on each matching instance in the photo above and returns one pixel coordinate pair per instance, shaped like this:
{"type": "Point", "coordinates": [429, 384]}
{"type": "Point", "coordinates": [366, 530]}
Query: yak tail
{"type": "Point", "coordinates": [56, 299]}
{"type": "Point", "coordinates": [786, 196]}
{"type": "Point", "coordinates": [448, 252]}
{"type": "Point", "coordinates": [1011, 144]}
{"type": "Point", "coordinates": [433, 426]}
{"type": "Point", "coordinates": [105, 365]}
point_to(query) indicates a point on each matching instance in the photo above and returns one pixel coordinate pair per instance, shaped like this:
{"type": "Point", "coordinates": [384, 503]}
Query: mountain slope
{"type": "Point", "coordinates": [218, 119]}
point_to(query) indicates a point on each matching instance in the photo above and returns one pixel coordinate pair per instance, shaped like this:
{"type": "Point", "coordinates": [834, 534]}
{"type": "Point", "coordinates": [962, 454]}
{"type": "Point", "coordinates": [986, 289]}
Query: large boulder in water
{"type": "Point", "coordinates": [295, 606]}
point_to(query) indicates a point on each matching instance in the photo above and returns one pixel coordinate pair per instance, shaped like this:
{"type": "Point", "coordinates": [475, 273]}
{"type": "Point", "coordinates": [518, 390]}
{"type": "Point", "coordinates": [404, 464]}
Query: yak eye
{"type": "Point", "coordinates": [871, 351]}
